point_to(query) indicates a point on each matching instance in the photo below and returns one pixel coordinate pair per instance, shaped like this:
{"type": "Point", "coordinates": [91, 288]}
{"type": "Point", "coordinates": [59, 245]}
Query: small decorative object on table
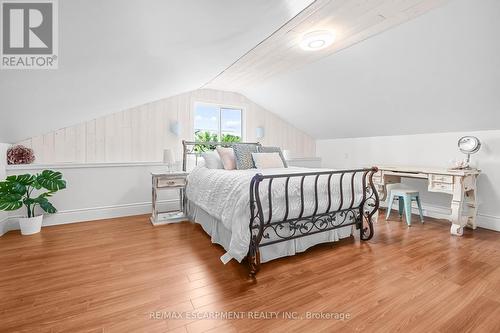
{"type": "Point", "coordinates": [19, 190]}
{"type": "Point", "coordinates": [467, 145]}
{"type": "Point", "coordinates": [20, 154]}
{"type": "Point", "coordinates": [168, 181]}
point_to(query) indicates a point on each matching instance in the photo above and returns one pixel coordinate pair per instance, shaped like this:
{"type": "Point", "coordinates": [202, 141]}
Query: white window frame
{"type": "Point", "coordinates": [220, 107]}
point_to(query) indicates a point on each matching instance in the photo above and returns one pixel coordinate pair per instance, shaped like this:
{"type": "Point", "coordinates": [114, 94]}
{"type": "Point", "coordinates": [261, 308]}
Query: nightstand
{"type": "Point", "coordinates": [174, 181]}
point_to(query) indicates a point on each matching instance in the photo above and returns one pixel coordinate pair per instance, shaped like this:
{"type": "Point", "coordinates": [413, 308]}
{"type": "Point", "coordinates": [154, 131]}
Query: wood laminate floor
{"type": "Point", "coordinates": [124, 275]}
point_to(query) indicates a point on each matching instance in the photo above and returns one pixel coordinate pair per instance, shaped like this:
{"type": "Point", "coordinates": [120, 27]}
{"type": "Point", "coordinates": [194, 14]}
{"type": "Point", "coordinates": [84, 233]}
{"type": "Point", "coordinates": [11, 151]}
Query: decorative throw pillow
{"type": "Point", "coordinates": [243, 154]}
{"type": "Point", "coordinates": [227, 157]}
{"type": "Point", "coordinates": [212, 160]}
{"type": "Point", "coordinates": [274, 150]}
{"type": "Point", "coordinates": [267, 160]}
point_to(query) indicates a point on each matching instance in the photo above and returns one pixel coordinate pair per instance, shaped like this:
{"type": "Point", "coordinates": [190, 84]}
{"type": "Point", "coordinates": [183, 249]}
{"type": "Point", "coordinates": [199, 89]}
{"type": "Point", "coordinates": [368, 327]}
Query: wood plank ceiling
{"type": "Point", "coordinates": [351, 21]}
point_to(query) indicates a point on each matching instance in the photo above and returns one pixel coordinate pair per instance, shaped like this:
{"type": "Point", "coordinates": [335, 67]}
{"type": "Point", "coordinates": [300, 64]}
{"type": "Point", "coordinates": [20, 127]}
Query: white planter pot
{"type": "Point", "coordinates": [30, 225]}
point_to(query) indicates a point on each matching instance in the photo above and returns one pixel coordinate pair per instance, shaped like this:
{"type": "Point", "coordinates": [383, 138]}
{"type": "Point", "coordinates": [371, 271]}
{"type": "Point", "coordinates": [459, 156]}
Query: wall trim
{"type": "Point", "coordinates": [488, 222]}
{"type": "Point", "coordinates": [114, 165]}
{"type": "Point", "coordinates": [79, 165]}
{"type": "Point", "coordinates": [90, 214]}
{"type": "Point", "coordinates": [3, 225]}
{"type": "Point", "coordinates": [303, 159]}
{"type": "Point", "coordinates": [439, 212]}
{"type": "Point", "coordinates": [105, 212]}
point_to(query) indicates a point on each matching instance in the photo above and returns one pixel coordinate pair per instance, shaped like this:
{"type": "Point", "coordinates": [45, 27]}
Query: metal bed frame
{"type": "Point", "coordinates": [347, 213]}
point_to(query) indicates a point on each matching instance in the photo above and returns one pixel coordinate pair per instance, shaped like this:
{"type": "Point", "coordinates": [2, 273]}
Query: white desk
{"type": "Point", "coordinates": [461, 184]}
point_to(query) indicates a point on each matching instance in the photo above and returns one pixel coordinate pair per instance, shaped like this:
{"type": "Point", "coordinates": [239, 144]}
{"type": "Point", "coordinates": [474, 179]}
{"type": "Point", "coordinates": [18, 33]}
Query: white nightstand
{"type": "Point", "coordinates": [168, 181]}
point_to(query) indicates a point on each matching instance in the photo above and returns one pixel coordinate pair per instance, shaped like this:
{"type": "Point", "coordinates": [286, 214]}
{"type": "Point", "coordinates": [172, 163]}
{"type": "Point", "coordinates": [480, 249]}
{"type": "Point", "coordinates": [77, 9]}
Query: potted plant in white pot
{"type": "Point", "coordinates": [30, 191]}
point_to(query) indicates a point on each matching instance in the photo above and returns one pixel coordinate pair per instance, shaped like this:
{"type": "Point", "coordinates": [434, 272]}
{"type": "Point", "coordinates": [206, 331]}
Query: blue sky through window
{"type": "Point", "coordinates": [207, 118]}
{"type": "Point", "coordinates": [231, 121]}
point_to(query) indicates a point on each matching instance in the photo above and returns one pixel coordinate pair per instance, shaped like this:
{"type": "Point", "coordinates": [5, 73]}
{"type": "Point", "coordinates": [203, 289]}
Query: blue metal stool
{"type": "Point", "coordinates": [405, 197]}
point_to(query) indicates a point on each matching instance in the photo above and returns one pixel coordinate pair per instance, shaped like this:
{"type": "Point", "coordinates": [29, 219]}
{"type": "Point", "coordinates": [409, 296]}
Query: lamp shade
{"type": "Point", "coordinates": [168, 156]}
{"type": "Point", "coordinates": [175, 128]}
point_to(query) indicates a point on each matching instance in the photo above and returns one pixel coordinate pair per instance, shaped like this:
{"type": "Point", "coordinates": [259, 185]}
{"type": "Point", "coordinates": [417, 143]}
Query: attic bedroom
{"type": "Point", "coordinates": [249, 166]}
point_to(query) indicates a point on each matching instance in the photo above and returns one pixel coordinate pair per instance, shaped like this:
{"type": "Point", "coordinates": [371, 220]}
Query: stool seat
{"type": "Point", "coordinates": [405, 196]}
{"type": "Point", "coordinates": [404, 191]}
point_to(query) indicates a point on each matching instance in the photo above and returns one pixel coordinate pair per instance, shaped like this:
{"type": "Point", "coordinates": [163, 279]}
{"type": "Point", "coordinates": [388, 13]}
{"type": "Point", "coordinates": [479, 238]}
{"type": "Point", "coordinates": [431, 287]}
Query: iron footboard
{"type": "Point", "coordinates": [314, 202]}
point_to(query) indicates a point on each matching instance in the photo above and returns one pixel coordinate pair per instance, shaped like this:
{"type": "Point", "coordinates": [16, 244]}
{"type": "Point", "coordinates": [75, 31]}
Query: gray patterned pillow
{"type": "Point", "coordinates": [243, 154]}
{"type": "Point", "coordinates": [274, 150]}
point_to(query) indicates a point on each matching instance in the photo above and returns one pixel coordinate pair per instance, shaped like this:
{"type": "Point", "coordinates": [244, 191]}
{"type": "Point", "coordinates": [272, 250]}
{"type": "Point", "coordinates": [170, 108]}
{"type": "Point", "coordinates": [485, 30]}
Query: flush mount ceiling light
{"type": "Point", "coordinates": [317, 40]}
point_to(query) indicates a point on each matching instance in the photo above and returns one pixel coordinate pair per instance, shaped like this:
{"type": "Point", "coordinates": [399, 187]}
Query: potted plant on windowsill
{"type": "Point", "coordinates": [30, 191]}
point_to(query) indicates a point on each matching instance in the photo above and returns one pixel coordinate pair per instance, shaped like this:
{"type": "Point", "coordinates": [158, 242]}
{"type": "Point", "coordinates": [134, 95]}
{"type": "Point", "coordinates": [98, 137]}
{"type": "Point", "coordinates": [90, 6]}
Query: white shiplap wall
{"type": "Point", "coordinates": [141, 133]}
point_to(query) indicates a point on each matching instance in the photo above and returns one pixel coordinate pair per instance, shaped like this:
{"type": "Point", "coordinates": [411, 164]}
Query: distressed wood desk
{"type": "Point", "coordinates": [461, 184]}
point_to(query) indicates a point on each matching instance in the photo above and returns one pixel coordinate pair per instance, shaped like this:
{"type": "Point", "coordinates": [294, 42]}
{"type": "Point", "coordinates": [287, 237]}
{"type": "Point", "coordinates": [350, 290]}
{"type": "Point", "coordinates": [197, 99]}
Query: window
{"type": "Point", "coordinates": [217, 123]}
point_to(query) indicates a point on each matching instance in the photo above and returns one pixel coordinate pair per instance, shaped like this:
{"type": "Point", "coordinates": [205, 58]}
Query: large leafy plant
{"type": "Point", "coordinates": [206, 136]}
{"type": "Point", "coordinates": [31, 191]}
{"type": "Point", "coordinates": [230, 138]}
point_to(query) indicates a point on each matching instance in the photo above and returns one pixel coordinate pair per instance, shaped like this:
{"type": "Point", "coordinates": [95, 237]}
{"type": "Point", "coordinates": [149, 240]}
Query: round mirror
{"type": "Point", "coordinates": [469, 144]}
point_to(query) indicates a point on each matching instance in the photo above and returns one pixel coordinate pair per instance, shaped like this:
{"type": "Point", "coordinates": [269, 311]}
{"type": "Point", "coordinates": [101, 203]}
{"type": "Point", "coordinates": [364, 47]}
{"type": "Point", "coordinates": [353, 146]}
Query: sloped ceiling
{"type": "Point", "coordinates": [118, 54]}
{"type": "Point", "coordinates": [437, 73]}
{"type": "Point", "coordinates": [351, 21]}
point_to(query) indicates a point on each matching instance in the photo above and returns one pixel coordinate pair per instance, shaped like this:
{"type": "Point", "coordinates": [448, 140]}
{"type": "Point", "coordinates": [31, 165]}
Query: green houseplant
{"type": "Point", "coordinates": [30, 191]}
{"type": "Point", "coordinates": [206, 136]}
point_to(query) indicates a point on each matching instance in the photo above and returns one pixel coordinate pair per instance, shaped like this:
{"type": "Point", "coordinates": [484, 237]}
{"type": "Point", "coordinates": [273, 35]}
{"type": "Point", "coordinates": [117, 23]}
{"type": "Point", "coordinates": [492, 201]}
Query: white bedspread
{"type": "Point", "coordinates": [226, 196]}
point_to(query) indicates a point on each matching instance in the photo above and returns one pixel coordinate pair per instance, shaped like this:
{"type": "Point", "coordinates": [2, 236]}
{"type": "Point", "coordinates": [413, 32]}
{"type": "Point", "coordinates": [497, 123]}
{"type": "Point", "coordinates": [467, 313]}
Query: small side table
{"type": "Point", "coordinates": [168, 181]}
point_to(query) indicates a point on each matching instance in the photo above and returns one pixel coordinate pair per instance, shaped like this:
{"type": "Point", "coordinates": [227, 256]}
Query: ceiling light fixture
{"type": "Point", "coordinates": [317, 40]}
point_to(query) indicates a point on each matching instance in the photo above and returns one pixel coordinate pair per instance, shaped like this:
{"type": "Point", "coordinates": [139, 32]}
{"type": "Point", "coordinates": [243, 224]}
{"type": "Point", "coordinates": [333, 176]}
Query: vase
{"type": "Point", "coordinates": [30, 225]}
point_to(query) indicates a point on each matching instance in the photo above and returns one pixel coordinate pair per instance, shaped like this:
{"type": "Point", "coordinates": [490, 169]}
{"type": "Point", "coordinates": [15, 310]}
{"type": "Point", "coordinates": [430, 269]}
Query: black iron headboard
{"type": "Point", "coordinates": [189, 148]}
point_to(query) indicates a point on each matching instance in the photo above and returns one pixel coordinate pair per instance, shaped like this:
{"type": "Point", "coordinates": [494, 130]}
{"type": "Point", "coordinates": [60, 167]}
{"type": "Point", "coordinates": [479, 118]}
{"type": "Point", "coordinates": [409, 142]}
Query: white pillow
{"type": "Point", "coordinates": [267, 160]}
{"type": "Point", "coordinates": [212, 160]}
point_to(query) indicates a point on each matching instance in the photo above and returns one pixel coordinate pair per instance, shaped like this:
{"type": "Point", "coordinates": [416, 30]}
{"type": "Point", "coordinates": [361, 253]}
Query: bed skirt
{"type": "Point", "coordinates": [222, 236]}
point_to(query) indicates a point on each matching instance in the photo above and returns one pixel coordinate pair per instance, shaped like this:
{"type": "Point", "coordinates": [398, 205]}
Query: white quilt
{"type": "Point", "coordinates": [226, 196]}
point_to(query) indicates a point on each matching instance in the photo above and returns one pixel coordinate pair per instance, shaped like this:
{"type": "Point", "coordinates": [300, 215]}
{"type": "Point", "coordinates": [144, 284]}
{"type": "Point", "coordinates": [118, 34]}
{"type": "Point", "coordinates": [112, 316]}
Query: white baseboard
{"type": "Point", "coordinates": [488, 222]}
{"type": "Point", "coordinates": [438, 212]}
{"type": "Point", "coordinates": [4, 225]}
{"type": "Point", "coordinates": [90, 214]}
{"type": "Point", "coordinates": [106, 212]}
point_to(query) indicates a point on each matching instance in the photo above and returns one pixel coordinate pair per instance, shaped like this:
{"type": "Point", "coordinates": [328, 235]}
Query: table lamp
{"type": "Point", "coordinates": [168, 158]}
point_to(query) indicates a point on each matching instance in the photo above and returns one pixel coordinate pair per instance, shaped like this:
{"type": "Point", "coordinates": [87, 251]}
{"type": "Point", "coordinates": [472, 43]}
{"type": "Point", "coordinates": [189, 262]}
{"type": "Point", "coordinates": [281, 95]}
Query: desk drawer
{"type": "Point", "coordinates": [442, 179]}
{"type": "Point", "coordinates": [440, 187]}
{"type": "Point", "coordinates": [171, 182]}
